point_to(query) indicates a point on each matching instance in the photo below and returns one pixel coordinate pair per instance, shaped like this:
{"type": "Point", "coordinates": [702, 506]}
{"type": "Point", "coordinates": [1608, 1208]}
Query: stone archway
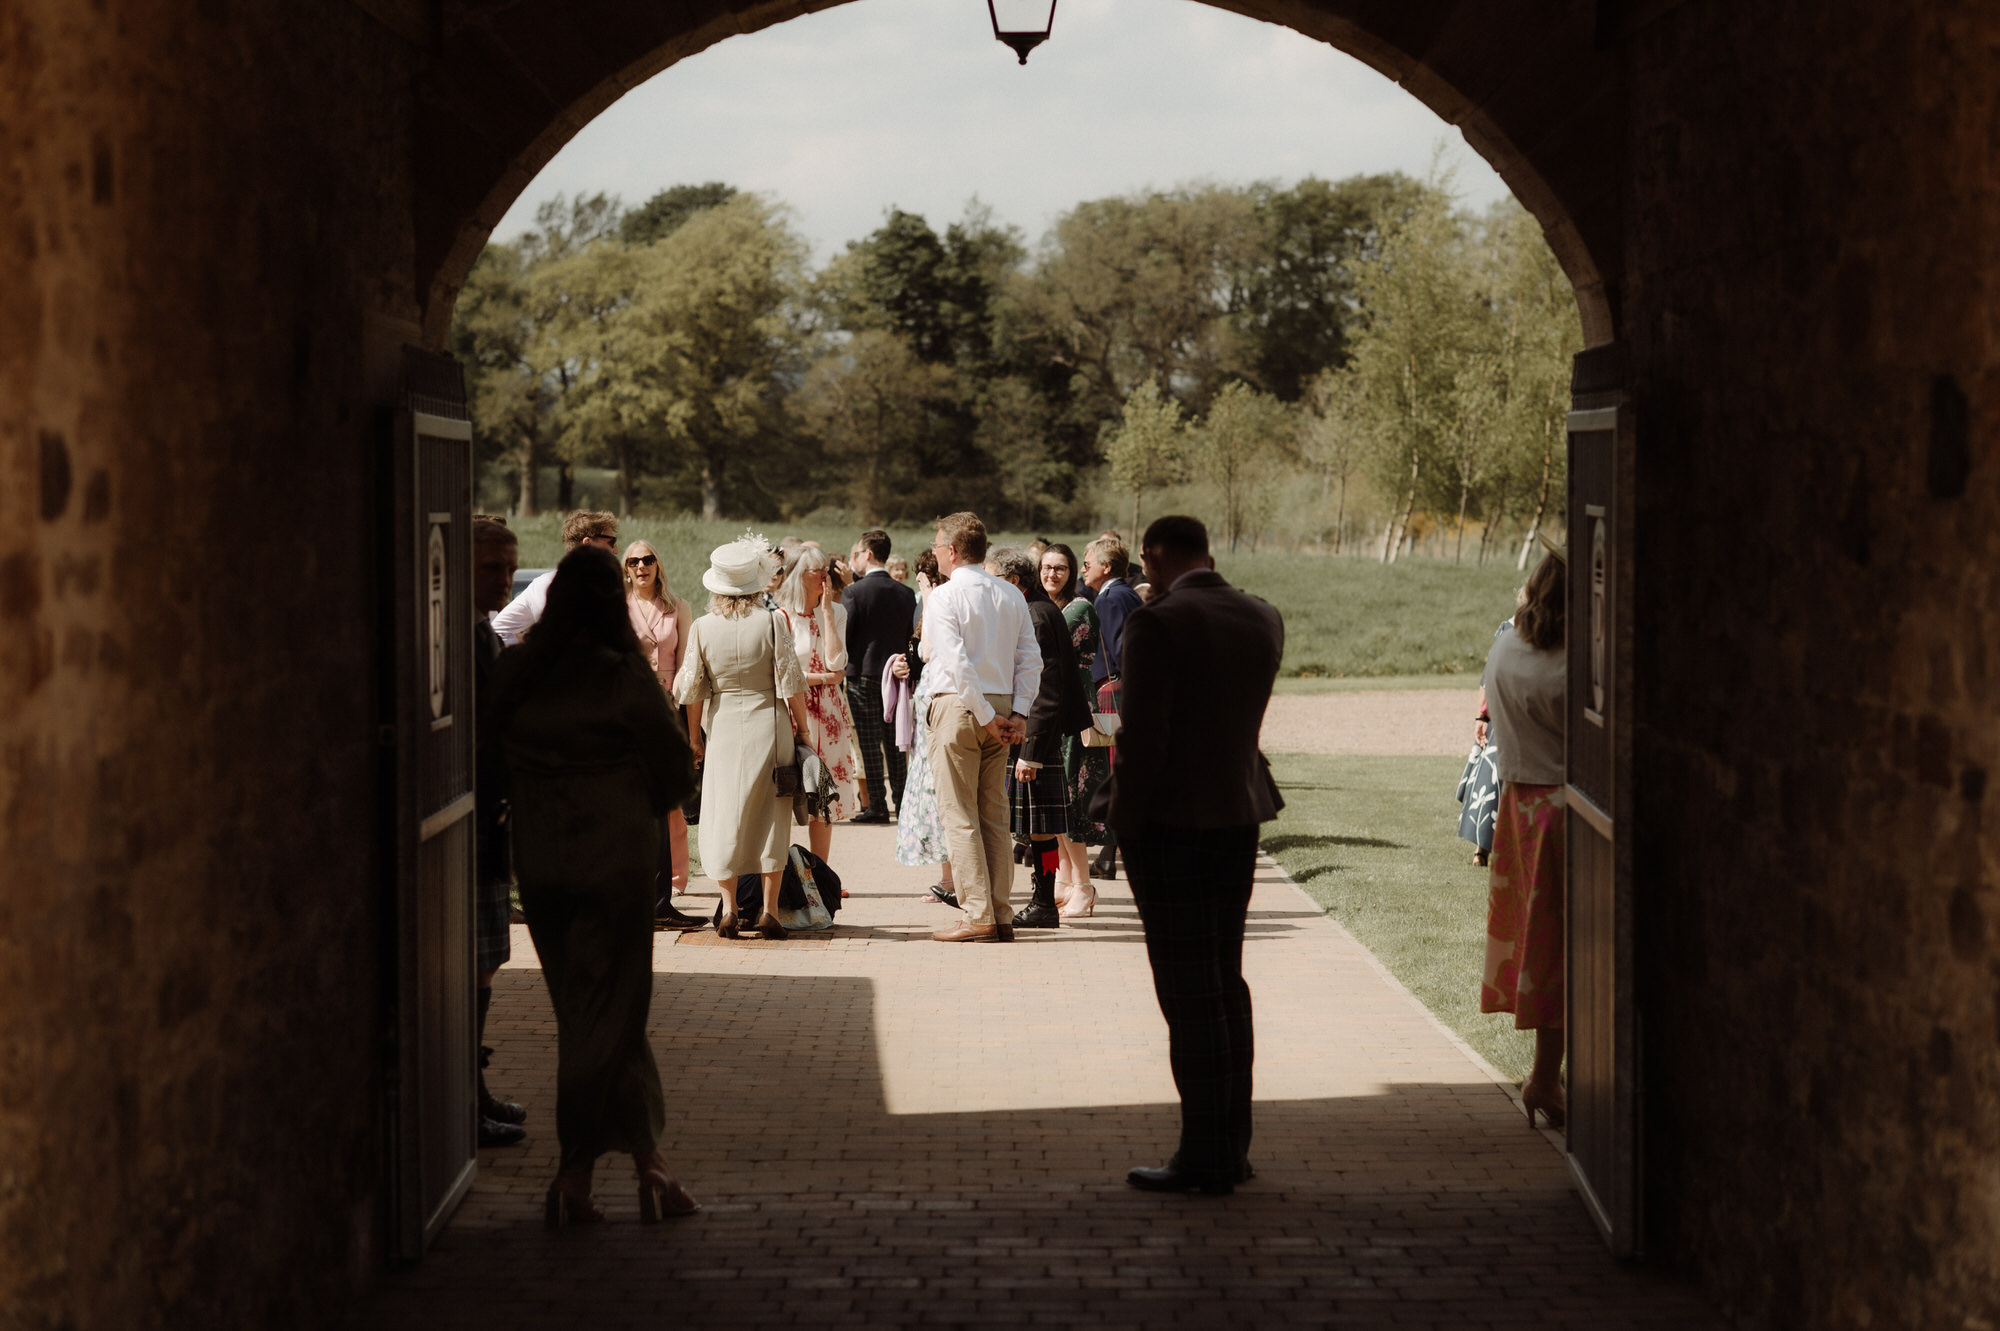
{"type": "Point", "coordinates": [219, 223]}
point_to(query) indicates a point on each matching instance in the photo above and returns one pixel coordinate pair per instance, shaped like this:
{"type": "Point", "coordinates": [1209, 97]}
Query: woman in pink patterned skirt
{"type": "Point", "coordinates": [819, 636]}
{"type": "Point", "coordinates": [1525, 683]}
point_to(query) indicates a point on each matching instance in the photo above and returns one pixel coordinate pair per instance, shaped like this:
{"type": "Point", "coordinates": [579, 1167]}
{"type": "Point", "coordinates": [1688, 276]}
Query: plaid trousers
{"type": "Point", "coordinates": [1192, 886]}
{"type": "Point", "coordinates": [878, 745]}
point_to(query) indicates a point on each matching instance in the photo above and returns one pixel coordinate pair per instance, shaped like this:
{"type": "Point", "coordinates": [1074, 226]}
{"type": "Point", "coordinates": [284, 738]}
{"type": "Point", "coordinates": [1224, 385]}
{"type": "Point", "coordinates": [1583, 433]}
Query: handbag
{"type": "Point", "coordinates": [786, 776]}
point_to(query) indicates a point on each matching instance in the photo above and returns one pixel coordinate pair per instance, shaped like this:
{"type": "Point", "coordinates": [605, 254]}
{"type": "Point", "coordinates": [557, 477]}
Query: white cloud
{"type": "Point", "coordinates": [911, 103]}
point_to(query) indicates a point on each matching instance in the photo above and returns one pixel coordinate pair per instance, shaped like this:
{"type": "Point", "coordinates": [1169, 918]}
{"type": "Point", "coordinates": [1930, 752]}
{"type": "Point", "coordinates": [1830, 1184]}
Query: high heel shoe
{"type": "Point", "coordinates": [1082, 903]}
{"type": "Point", "coordinates": [565, 1205]}
{"type": "Point", "coordinates": [768, 926]}
{"type": "Point", "coordinates": [728, 928]}
{"type": "Point", "coordinates": [660, 1193]}
{"type": "Point", "coordinates": [1534, 1101]}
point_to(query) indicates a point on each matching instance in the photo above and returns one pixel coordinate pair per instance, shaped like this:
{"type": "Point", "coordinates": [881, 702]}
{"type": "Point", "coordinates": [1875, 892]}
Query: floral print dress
{"type": "Point", "coordinates": [817, 639]}
{"type": "Point", "coordinates": [919, 828]}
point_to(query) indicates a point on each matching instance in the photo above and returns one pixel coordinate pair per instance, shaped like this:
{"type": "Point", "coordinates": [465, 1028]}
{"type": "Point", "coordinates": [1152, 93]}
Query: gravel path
{"type": "Point", "coordinates": [1419, 722]}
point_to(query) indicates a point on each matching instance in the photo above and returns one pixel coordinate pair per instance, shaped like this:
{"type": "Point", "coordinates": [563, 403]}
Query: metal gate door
{"type": "Point", "coordinates": [432, 1073]}
{"type": "Point", "coordinates": [1603, 1032]}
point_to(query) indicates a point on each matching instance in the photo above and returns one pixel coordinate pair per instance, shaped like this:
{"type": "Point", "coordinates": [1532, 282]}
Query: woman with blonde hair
{"type": "Point", "coordinates": [740, 674]}
{"type": "Point", "coordinates": [1526, 689]}
{"type": "Point", "coordinates": [818, 622]}
{"type": "Point", "coordinates": [662, 620]}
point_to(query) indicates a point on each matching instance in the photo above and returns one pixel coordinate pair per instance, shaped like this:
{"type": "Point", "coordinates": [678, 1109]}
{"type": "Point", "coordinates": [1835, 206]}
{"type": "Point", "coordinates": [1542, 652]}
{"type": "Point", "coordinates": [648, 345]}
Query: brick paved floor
{"type": "Point", "coordinates": [886, 1131]}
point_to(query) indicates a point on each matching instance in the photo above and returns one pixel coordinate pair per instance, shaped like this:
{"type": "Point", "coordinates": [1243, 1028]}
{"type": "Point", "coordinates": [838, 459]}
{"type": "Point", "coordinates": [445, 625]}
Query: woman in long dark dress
{"type": "Point", "coordinates": [594, 759]}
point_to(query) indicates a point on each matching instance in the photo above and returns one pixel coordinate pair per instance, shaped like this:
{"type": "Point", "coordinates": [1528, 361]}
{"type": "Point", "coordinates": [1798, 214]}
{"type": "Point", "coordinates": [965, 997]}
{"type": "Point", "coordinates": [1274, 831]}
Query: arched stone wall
{"type": "Point", "coordinates": [515, 80]}
{"type": "Point", "coordinates": [219, 221]}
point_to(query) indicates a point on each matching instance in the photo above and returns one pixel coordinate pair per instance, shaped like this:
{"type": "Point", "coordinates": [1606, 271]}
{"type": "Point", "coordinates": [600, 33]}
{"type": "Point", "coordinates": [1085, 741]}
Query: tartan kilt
{"type": "Point", "coordinates": [492, 939]}
{"type": "Point", "coordinates": [1038, 808]}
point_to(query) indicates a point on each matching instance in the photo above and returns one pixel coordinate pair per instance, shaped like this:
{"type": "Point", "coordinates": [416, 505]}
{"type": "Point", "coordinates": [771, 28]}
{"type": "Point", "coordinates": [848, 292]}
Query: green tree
{"type": "Point", "coordinates": [667, 211]}
{"type": "Point", "coordinates": [1422, 323]}
{"type": "Point", "coordinates": [1148, 448]}
{"type": "Point", "coordinates": [1243, 448]}
{"type": "Point", "coordinates": [870, 402]}
{"type": "Point", "coordinates": [1014, 433]}
{"type": "Point", "coordinates": [711, 338]}
{"type": "Point", "coordinates": [1331, 429]}
{"type": "Point", "coordinates": [1142, 287]}
{"type": "Point", "coordinates": [1299, 301]}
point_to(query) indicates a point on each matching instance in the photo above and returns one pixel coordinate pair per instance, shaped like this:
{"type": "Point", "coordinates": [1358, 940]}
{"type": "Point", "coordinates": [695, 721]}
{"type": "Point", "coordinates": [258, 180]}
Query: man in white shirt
{"type": "Point", "coordinates": [582, 527]}
{"type": "Point", "coordinates": [989, 667]}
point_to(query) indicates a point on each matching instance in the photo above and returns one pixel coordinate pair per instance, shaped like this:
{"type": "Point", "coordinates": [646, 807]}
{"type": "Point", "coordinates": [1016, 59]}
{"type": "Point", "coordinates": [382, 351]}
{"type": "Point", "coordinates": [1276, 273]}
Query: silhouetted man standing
{"type": "Point", "coordinates": [495, 552]}
{"type": "Point", "coordinates": [1188, 788]}
{"type": "Point", "coordinates": [880, 614]}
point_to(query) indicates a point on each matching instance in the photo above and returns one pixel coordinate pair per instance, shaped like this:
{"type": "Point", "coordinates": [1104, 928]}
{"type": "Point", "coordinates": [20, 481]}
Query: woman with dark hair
{"type": "Point", "coordinates": [1037, 794]}
{"type": "Point", "coordinates": [594, 759]}
{"type": "Point", "coordinates": [1525, 684]}
{"type": "Point", "coordinates": [1084, 768]}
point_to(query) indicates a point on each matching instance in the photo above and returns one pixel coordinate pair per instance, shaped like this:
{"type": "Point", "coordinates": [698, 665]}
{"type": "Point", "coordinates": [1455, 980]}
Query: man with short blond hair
{"type": "Point", "coordinates": [583, 527]}
{"type": "Point", "coordinates": [988, 669]}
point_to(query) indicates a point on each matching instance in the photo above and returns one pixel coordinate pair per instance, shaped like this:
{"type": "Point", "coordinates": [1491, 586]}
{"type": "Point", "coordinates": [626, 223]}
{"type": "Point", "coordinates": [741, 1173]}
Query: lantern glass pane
{"type": "Point", "coordinates": [1022, 15]}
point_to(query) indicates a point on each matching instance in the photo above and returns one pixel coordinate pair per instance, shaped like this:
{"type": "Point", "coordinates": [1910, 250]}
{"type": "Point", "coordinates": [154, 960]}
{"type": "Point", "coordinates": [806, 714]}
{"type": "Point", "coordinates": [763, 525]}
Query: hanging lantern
{"type": "Point", "coordinates": [1022, 24]}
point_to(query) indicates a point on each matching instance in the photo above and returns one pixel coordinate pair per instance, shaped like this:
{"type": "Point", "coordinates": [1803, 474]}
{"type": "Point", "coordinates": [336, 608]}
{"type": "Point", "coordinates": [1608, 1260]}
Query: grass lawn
{"type": "Point", "coordinates": [1374, 840]}
{"type": "Point", "coordinates": [1401, 625]}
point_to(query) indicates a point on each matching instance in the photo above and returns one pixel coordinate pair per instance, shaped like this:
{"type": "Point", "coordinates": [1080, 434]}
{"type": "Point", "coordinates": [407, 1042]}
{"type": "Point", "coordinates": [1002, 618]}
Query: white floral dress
{"type": "Point", "coordinates": [919, 829]}
{"type": "Point", "coordinates": [819, 641]}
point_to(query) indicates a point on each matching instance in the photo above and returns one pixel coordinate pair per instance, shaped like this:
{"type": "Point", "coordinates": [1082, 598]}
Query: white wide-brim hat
{"type": "Point", "coordinates": [741, 568]}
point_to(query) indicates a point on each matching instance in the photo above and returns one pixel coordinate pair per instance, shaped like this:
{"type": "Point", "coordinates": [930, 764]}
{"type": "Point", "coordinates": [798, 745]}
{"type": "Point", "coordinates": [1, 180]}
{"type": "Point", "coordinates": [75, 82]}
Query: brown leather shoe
{"type": "Point", "coordinates": [1006, 932]}
{"type": "Point", "coordinates": [965, 933]}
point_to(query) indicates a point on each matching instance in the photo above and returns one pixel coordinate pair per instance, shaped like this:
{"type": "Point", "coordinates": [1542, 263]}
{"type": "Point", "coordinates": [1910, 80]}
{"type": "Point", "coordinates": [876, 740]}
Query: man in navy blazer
{"type": "Point", "coordinates": [1188, 788]}
{"type": "Point", "coordinates": [880, 614]}
{"type": "Point", "coordinates": [1106, 566]}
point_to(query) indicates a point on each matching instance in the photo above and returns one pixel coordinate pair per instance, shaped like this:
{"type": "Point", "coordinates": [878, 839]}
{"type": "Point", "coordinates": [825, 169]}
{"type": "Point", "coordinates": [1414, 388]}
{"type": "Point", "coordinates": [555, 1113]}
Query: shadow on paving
{"type": "Point", "coordinates": [1421, 1205]}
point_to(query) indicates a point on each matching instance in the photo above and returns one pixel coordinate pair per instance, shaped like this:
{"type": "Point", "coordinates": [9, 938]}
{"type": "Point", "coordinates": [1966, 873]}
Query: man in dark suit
{"type": "Point", "coordinates": [495, 552]}
{"type": "Point", "coordinates": [1188, 788]}
{"type": "Point", "coordinates": [1106, 569]}
{"type": "Point", "coordinates": [880, 614]}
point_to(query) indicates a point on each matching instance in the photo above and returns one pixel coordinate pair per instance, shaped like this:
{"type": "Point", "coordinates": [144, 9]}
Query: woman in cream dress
{"type": "Point", "coordinates": [744, 693]}
{"type": "Point", "coordinates": [661, 620]}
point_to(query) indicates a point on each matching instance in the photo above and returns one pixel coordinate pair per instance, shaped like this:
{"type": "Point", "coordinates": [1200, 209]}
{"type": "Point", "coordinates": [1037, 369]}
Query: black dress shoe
{"type": "Point", "coordinates": [871, 816]}
{"type": "Point", "coordinates": [499, 1134]}
{"type": "Point", "coordinates": [1105, 866]}
{"type": "Point", "coordinates": [502, 1111]}
{"type": "Point", "coordinates": [667, 916]}
{"type": "Point", "coordinates": [1172, 1178]}
{"type": "Point", "coordinates": [1038, 917]}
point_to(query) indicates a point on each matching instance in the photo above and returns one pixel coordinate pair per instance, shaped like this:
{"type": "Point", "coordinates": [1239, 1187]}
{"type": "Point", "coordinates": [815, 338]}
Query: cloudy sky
{"type": "Point", "coordinates": [911, 103]}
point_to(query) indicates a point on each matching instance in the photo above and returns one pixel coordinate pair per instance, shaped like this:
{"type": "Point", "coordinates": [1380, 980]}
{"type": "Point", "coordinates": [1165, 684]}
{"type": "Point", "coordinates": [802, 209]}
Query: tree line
{"type": "Point", "coordinates": [1303, 363]}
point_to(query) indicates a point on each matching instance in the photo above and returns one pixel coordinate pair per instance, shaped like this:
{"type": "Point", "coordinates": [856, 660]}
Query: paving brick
{"type": "Point", "coordinates": [890, 1131]}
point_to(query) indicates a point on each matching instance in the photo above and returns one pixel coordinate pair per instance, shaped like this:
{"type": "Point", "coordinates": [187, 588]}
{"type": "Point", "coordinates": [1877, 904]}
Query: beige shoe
{"type": "Point", "coordinates": [965, 933]}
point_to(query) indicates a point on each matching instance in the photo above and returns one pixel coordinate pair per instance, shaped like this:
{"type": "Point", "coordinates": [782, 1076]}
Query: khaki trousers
{"type": "Point", "coordinates": [970, 769]}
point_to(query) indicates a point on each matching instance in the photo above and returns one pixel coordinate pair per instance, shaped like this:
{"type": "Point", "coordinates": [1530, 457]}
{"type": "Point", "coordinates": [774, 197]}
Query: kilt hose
{"type": "Point", "coordinates": [1192, 886]}
{"type": "Point", "coordinates": [877, 742]}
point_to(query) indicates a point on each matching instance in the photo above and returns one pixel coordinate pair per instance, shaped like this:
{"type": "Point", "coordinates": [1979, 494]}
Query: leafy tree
{"type": "Point", "coordinates": [667, 211]}
{"type": "Point", "coordinates": [1331, 428]}
{"type": "Point", "coordinates": [1422, 323]}
{"type": "Point", "coordinates": [1300, 300]}
{"type": "Point", "coordinates": [870, 402]}
{"type": "Point", "coordinates": [1014, 433]}
{"type": "Point", "coordinates": [716, 332]}
{"type": "Point", "coordinates": [1141, 287]}
{"type": "Point", "coordinates": [1149, 446]}
{"type": "Point", "coordinates": [1242, 447]}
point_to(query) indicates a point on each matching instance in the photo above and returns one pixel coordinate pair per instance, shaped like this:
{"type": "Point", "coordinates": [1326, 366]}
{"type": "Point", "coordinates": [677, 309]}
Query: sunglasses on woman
{"type": "Point", "coordinates": [641, 561]}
